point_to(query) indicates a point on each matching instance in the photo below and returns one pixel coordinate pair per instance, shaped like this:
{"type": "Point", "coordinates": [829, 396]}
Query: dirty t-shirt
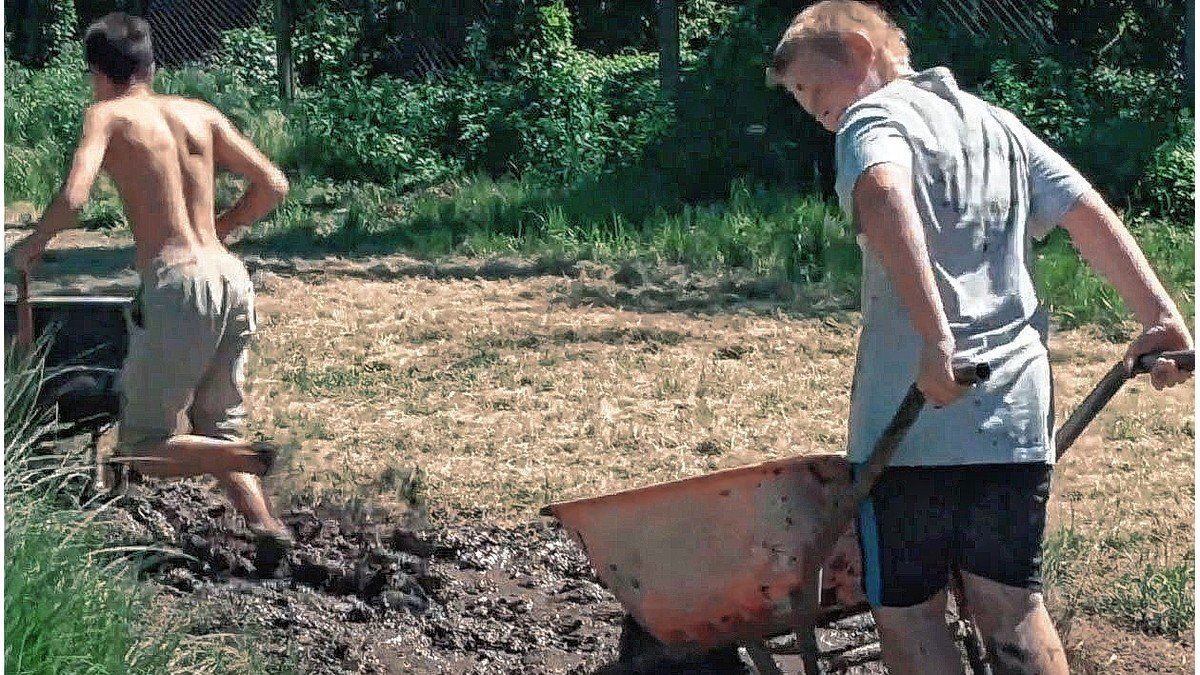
{"type": "Point", "coordinates": [984, 187]}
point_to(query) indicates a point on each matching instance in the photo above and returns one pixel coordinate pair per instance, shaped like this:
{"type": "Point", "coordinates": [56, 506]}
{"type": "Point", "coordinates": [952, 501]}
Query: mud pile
{"type": "Point", "coordinates": [377, 597]}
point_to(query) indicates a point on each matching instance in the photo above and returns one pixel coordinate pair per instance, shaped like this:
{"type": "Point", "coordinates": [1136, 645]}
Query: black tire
{"type": "Point", "coordinates": [640, 652]}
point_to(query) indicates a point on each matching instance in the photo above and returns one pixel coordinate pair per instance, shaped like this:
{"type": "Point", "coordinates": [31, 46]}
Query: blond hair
{"type": "Point", "coordinates": [822, 26]}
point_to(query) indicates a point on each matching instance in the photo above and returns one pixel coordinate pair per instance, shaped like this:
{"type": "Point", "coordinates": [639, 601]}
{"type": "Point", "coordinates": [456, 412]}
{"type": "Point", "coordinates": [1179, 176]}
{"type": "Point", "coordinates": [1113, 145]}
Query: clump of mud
{"type": "Point", "coordinates": [376, 598]}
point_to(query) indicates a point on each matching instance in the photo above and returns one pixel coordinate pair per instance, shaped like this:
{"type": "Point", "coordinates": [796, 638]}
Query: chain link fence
{"type": "Point", "coordinates": [412, 37]}
{"type": "Point", "coordinates": [192, 31]}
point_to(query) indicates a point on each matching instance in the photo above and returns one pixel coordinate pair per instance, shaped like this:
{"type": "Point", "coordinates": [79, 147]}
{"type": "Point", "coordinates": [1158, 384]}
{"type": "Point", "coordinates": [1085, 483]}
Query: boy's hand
{"type": "Point", "coordinates": [935, 378]}
{"type": "Point", "coordinates": [1169, 334]}
{"type": "Point", "coordinates": [27, 253]}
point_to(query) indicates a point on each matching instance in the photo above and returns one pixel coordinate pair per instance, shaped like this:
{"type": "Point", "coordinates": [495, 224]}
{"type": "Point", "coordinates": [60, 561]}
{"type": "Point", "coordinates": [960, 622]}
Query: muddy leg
{"type": "Point", "coordinates": [234, 464]}
{"type": "Point", "coordinates": [1017, 628]}
{"type": "Point", "coordinates": [187, 455]}
{"type": "Point", "coordinates": [916, 639]}
{"type": "Point", "coordinates": [246, 492]}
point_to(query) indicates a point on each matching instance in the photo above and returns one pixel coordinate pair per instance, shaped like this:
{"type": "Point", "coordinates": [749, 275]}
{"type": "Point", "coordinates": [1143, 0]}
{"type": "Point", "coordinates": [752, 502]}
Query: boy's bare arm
{"type": "Point", "coordinates": [63, 211]}
{"type": "Point", "coordinates": [268, 185]}
{"type": "Point", "coordinates": [1107, 245]}
{"type": "Point", "coordinates": [887, 216]}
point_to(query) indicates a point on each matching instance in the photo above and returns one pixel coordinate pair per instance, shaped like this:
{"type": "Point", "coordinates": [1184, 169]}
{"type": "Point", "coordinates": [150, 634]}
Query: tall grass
{"type": "Point", "coordinates": [763, 231]}
{"type": "Point", "coordinates": [70, 604]}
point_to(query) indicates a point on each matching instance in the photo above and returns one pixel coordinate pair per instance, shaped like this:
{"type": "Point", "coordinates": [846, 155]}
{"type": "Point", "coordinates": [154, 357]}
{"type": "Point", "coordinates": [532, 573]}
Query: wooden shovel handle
{"type": "Point", "coordinates": [24, 312]}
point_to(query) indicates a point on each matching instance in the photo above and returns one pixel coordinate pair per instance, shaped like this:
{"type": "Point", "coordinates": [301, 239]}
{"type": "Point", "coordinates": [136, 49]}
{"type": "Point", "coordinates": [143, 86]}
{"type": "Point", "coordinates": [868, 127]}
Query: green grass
{"type": "Point", "coordinates": [1076, 295]}
{"type": "Point", "coordinates": [767, 232]}
{"type": "Point", "coordinates": [763, 231]}
{"type": "Point", "coordinates": [70, 604]}
{"type": "Point", "coordinates": [1157, 600]}
{"type": "Point", "coordinates": [1154, 594]}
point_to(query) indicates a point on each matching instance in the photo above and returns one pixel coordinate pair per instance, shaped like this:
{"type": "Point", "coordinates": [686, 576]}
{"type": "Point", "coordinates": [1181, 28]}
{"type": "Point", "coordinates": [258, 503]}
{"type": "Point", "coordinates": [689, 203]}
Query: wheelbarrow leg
{"type": "Point", "coordinates": [806, 604]}
{"type": "Point", "coordinates": [761, 657]}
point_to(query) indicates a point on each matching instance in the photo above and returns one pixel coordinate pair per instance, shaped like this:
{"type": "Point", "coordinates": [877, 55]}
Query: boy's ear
{"type": "Point", "coordinates": [860, 49]}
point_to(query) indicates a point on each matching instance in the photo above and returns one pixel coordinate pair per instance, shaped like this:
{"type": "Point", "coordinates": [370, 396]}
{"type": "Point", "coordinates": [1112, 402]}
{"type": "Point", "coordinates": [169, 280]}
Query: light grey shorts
{"type": "Point", "coordinates": [189, 331]}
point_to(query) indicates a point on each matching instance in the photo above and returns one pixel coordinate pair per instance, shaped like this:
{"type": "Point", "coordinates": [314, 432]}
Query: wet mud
{"type": "Point", "coordinates": [374, 596]}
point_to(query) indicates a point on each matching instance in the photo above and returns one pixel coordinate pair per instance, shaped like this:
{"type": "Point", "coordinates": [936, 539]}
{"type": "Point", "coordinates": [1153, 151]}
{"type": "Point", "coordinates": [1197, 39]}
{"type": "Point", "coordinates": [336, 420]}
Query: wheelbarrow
{"type": "Point", "coordinates": [87, 341]}
{"type": "Point", "coordinates": [737, 557]}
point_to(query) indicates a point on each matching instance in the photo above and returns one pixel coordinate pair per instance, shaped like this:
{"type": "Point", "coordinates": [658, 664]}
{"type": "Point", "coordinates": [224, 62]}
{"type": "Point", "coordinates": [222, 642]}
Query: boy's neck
{"type": "Point", "coordinates": [871, 84]}
{"type": "Point", "coordinates": [135, 88]}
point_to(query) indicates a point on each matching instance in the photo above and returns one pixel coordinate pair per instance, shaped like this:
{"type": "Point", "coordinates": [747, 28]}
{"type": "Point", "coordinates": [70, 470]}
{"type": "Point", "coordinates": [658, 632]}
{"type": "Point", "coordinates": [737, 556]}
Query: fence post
{"type": "Point", "coordinates": [284, 23]}
{"type": "Point", "coordinates": [668, 46]}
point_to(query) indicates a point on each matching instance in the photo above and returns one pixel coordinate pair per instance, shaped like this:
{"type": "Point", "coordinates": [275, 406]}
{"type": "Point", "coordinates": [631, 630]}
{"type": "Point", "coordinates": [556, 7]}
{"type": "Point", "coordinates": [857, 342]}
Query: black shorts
{"type": "Point", "coordinates": [922, 521]}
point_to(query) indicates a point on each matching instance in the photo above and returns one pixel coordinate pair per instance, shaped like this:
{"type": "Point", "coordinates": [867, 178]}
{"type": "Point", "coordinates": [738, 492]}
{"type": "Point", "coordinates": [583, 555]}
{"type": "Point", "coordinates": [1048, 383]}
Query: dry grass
{"type": "Point", "coordinates": [507, 401]}
{"type": "Point", "coordinates": [1123, 509]}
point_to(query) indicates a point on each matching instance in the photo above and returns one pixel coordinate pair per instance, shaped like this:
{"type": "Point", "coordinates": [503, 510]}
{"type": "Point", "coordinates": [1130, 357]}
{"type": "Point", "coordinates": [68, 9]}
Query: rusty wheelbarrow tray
{"type": "Point", "coordinates": [741, 555]}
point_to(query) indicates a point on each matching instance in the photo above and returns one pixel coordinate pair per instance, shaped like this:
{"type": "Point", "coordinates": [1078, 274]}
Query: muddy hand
{"type": "Point", "coordinates": [936, 376]}
{"type": "Point", "coordinates": [1167, 335]}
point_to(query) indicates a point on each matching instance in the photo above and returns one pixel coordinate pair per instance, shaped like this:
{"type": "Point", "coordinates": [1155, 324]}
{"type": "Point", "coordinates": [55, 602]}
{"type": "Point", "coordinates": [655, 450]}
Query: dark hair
{"type": "Point", "coordinates": [118, 45]}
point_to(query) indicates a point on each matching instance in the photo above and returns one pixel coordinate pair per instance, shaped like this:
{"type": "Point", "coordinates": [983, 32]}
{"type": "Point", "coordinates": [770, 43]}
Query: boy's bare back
{"type": "Point", "coordinates": [163, 152]}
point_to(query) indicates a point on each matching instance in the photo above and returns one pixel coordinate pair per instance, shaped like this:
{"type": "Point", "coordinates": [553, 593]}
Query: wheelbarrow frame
{"type": "Point", "coordinates": [88, 343]}
{"type": "Point", "coordinates": [806, 611]}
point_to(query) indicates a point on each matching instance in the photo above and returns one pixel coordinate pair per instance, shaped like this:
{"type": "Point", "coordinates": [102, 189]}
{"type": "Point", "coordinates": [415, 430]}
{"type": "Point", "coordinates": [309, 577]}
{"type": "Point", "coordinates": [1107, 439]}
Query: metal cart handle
{"type": "Point", "coordinates": [843, 506]}
{"type": "Point", "coordinates": [1107, 388]}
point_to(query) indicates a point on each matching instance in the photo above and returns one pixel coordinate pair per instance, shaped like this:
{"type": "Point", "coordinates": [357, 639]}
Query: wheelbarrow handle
{"type": "Point", "coordinates": [1184, 360]}
{"type": "Point", "coordinates": [843, 507]}
{"type": "Point", "coordinates": [24, 312]}
{"type": "Point", "coordinates": [1108, 387]}
{"type": "Point", "coordinates": [972, 373]}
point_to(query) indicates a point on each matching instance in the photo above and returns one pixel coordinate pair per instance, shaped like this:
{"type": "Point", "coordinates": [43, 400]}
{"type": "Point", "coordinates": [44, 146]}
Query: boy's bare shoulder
{"type": "Point", "coordinates": [193, 109]}
{"type": "Point", "coordinates": [101, 113]}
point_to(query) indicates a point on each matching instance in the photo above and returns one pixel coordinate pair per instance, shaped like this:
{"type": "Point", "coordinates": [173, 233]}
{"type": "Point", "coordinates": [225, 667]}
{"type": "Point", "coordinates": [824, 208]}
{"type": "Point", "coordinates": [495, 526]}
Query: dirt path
{"type": "Point", "coordinates": [481, 390]}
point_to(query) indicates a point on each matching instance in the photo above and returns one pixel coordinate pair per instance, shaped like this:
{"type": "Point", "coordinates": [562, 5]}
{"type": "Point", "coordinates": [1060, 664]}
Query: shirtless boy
{"type": "Point", "coordinates": [193, 317]}
{"type": "Point", "coordinates": [947, 192]}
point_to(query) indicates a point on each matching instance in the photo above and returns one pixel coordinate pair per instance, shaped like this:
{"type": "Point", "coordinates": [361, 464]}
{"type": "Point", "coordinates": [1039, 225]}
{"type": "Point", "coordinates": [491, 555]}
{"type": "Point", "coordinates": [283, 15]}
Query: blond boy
{"type": "Point", "coordinates": [947, 193]}
{"type": "Point", "coordinates": [193, 317]}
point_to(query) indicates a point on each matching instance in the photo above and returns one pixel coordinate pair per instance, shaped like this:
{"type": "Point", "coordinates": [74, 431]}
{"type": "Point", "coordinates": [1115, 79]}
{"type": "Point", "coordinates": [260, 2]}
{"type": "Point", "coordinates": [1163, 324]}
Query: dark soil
{"type": "Point", "coordinates": [378, 597]}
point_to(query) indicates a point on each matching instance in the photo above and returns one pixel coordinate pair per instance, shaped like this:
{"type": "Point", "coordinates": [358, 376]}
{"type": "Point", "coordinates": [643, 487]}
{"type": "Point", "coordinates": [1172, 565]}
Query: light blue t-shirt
{"type": "Point", "coordinates": [984, 187]}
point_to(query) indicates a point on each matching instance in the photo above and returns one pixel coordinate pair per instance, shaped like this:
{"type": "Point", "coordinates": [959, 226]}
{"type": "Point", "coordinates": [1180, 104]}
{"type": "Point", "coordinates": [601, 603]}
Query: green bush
{"type": "Point", "coordinates": [386, 130]}
{"type": "Point", "coordinates": [45, 105]}
{"type": "Point", "coordinates": [324, 41]}
{"type": "Point", "coordinates": [43, 115]}
{"type": "Point", "coordinates": [1108, 122]}
{"type": "Point", "coordinates": [36, 35]}
{"type": "Point", "coordinates": [559, 115]}
{"type": "Point", "coordinates": [248, 55]}
{"type": "Point", "coordinates": [1167, 189]}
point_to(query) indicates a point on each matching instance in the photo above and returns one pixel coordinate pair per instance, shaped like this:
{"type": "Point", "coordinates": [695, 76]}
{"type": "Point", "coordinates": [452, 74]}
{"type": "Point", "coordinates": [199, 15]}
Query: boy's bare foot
{"type": "Point", "coordinates": [272, 534]}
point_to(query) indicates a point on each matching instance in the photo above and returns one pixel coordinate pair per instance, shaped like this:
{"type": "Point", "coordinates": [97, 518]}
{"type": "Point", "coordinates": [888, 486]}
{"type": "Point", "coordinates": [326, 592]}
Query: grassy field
{"type": "Point", "coordinates": [484, 399]}
{"type": "Point", "coordinates": [488, 399]}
